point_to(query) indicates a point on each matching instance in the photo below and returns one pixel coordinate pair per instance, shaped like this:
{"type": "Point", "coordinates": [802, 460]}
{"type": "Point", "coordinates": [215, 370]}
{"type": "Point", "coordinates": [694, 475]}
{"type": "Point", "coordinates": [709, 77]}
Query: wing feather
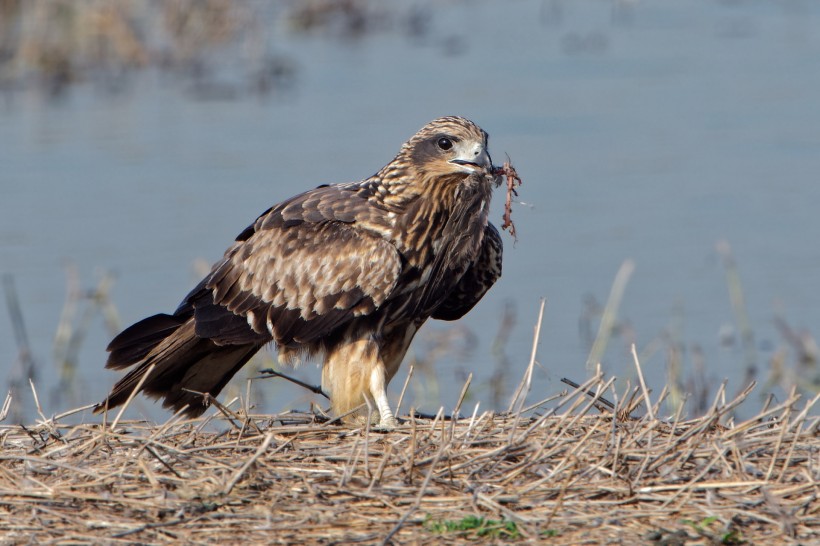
{"type": "Point", "coordinates": [305, 270]}
{"type": "Point", "coordinates": [475, 282]}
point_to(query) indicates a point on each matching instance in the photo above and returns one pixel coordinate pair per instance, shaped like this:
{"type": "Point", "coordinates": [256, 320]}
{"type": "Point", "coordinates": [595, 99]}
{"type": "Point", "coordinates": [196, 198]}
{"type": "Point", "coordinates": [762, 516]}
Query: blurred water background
{"type": "Point", "coordinates": [138, 138]}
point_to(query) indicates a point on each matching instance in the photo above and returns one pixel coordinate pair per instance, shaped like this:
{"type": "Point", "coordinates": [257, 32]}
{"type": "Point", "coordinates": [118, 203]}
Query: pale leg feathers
{"type": "Point", "coordinates": [356, 373]}
{"type": "Point", "coordinates": [345, 374]}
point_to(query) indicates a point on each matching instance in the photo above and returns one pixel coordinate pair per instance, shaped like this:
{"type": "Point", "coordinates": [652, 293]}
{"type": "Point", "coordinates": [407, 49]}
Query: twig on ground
{"type": "Point", "coordinates": [270, 372]}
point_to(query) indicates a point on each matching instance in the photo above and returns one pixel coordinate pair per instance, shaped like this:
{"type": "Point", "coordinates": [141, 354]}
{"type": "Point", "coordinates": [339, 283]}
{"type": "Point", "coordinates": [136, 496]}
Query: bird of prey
{"type": "Point", "coordinates": [345, 272]}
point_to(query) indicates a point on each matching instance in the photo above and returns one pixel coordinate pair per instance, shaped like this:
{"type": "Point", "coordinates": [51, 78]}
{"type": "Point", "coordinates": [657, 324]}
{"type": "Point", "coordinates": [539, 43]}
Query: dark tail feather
{"type": "Point", "coordinates": [135, 342]}
{"type": "Point", "coordinates": [181, 361]}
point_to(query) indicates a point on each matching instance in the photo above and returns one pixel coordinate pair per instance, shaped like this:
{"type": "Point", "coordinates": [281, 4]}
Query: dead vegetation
{"type": "Point", "coordinates": [564, 475]}
{"type": "Point", "coordinates": [507, 172]}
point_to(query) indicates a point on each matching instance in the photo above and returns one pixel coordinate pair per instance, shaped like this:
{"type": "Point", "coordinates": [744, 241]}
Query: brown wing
{"type": "Point", "coordinates": [481, 275]}
{"type": "Point", "coordinates": [303, 269]}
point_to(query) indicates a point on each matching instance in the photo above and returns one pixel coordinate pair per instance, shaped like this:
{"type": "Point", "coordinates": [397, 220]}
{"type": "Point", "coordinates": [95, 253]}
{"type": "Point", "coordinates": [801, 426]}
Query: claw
{"type": "Point", "coordinates": [387, 424]}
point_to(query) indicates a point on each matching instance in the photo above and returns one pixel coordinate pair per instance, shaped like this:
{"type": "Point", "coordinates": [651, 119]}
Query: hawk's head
{"type": "Point", "coordinates": [450, 147]}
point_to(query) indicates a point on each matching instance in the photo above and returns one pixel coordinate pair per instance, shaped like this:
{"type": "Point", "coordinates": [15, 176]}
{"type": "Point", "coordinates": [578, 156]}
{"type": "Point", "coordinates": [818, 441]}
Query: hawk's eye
{"type": "Point", "coordinates": [444, 143]}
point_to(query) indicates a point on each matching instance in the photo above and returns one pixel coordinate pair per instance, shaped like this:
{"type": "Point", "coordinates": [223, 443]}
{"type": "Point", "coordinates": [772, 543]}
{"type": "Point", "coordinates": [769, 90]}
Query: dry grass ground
{"type": "Point", "coordinates": [563, 475]}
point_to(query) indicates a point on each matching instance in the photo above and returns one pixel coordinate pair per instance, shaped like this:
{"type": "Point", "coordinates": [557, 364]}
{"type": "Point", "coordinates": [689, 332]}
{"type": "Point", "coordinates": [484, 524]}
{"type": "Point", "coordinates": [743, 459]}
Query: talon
{"type": "Point", "coordinates": [387, 425]}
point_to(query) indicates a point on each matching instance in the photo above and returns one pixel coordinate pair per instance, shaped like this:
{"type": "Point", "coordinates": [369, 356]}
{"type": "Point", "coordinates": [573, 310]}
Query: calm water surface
{"type": "Point", "coordinates": [643, 130]}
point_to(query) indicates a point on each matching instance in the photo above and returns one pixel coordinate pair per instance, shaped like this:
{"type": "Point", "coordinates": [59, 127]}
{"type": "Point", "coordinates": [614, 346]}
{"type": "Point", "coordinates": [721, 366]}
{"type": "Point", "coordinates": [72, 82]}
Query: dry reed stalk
{"type": "Point", "coordinates": [517, 402]}
{"type": "Point", "coordinates": [404, 387]}
{"type": "Point", "coordinates": [4, 411]}
{"type": "Point", "coordinates": [566, 473]}
{"type": "Point", "coordinates": [645, 391]}
{"type": "Point", "coordinates": [131, 396]}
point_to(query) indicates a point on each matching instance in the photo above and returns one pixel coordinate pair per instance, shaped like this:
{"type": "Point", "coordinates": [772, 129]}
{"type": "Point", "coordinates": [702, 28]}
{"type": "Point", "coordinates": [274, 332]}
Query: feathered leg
{"type": "Point", "coordinates": [357, 373]}
{"type": "Point", "coordinates": [351, 369]}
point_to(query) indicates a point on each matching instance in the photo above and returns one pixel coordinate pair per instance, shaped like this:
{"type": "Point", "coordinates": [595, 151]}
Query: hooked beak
{"type": "Point", "coordinates": [473, 160]}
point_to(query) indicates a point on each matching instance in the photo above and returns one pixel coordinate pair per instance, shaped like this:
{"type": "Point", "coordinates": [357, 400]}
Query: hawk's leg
{"type": "Point", "coordinates": [353, 375]}
{"type": "Point", "coordinates": [357, 370]}
{"type": "Point", "coordinates": [378, 393]}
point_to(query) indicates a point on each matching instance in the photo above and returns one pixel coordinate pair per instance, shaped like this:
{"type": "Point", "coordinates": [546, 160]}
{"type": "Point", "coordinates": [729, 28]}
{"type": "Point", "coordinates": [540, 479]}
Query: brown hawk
{"type": "Point", "coordinates": [348, 272]}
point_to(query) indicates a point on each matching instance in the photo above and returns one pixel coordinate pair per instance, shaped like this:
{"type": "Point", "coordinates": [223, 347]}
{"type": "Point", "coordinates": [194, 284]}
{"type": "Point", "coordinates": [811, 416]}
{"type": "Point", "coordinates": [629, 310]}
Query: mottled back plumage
{"type": "Point", "coordinates": [348, 272]}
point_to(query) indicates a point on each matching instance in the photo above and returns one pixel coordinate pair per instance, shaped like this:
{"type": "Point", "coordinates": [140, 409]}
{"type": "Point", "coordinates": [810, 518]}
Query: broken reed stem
{"type": "Point", "coordinates": [603, 404]}
{"type": "Point", "coordinates": [4, 411]}
{"type": "Point", "coordinates": [537, 405]}
{"type": "Point", "coordinates": [454, 417]}
{"type": "Point", "coordinates": [520, 394]}
{"type": "Point", "coordinates": [340, 418]}
{"type": "Point", "coordinates": [244, 468]}
{"type": "Point", "coordinates": [461, 396]}
{"type": "Point", "coordinates": [647, 400]}
{"type": "Point", "coordinates": [802, 416]}
{"type": "Point", "coordinates": [270, 372]}
{"type": "Point", "coordinates": [131, 396]}
{"type": "Point", "coordinates": [404, 388]}
{"type": "Point", "coordinates": [37, 401]}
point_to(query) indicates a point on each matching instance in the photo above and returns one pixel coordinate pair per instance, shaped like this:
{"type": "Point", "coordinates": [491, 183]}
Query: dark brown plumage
{"type": "Point", "coordinates": [348, 271]}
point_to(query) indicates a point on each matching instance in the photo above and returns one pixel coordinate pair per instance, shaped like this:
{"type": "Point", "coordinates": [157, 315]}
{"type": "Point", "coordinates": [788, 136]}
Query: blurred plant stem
{"type": "Point", "coordinates": [26, 368]}
{"type": "Point", "coordinates": [610, 314]}
{"type": "Point", "coordinates": [79, 310]}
